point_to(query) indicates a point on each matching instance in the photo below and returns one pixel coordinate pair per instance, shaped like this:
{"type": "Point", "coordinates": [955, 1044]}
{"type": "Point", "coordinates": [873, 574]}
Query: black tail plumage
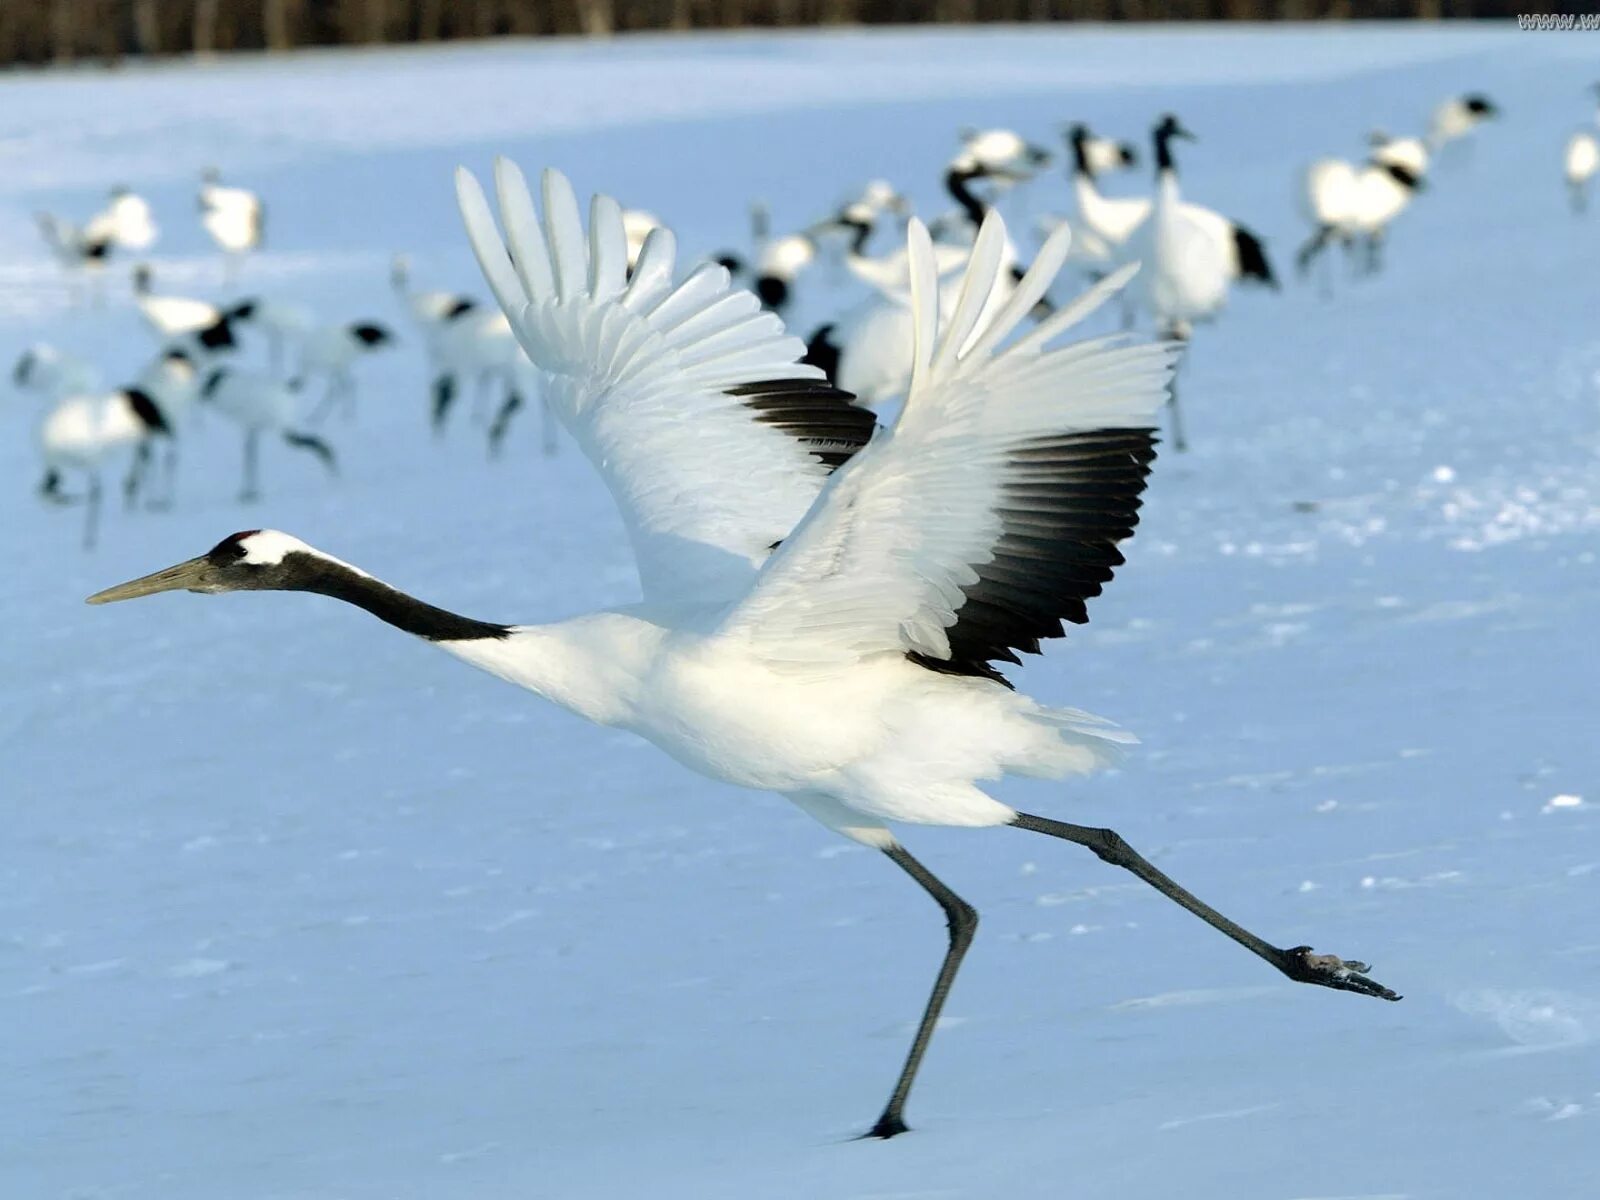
{"type": "Point", "coordinates": [1252, 254]}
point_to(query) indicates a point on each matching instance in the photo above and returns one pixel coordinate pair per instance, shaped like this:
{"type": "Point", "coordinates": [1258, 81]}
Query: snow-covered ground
{"type": "Point", "coordinates": [291, 907]}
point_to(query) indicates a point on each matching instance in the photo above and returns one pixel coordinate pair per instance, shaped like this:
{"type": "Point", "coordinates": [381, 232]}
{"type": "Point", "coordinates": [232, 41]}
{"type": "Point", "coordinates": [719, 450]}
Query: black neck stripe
{"type": "Point", "coordinates": [406, 613]}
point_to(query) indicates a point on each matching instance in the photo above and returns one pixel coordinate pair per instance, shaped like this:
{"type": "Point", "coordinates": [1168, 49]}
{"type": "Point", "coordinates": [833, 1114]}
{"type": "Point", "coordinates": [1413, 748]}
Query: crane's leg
{"type": "Point", "coordinates": [1311, 249]}
{"type": "Point", "coordinates": [306, 441]}
{"type": "Point", "coordinates": [50, 488]}
{"type": "Point", "coordinates": [134, 482]}
{"type": "Point", "coordinates": [1298, 963]}
{"type": "Point", "coordinates": [347, 394]}
{"type": "Point", "coordinates": [1179, 442]}
{"type": "Point", "coordinates": [170, 470]}
{"type": "Point", "coordinates": [252, 455]}
{"type": "Point", "coordinates": [502, 420]}
{"type": "Point", "coordinates": [444, 394]}
{"type": "Point", "coordinates": [91, 512]}
{"type": "Point", "coordinates": [962, 921]}
{"type": "Point", "coordinates": [325, 405]}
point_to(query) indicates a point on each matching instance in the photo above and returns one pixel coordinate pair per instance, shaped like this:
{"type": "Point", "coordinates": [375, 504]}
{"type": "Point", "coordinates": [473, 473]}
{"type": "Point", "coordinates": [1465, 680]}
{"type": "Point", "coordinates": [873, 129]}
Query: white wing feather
{"type": "Point", "coordinates": [653, 381]}
{"type": "Point", "coordinates": [881, 562]}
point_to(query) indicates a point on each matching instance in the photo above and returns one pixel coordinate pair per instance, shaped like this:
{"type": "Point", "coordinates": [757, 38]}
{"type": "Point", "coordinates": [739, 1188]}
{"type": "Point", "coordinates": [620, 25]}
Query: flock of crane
{"type": "Point", "coordinates": [826, 604]}
{"type": "Point", "coordinates": [1190, 258]}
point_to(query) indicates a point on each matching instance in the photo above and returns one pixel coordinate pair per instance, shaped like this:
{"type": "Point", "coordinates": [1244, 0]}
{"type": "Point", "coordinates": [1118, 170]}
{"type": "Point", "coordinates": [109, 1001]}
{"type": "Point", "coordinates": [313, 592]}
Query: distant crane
{"type": "Point", "coordinates": [1582, 161]}
{"type": "Point", "coordinates": [260, 404]}
{"type": "Point", "coordinates": [823, 600]}
{"type": "Point", "coordinates": [1351, 203]}
{"type": "Point", "coordinates": [1186, 266]}
{"type": "Point", "coordinates": [234, 217]}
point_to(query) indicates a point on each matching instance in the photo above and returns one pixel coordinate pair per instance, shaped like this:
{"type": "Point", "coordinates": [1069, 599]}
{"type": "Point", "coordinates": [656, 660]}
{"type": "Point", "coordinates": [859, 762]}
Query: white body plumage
{"type": "Point", "coordinates": [813, 698]}
{"type": "Point", "coordinates": [233, 216]}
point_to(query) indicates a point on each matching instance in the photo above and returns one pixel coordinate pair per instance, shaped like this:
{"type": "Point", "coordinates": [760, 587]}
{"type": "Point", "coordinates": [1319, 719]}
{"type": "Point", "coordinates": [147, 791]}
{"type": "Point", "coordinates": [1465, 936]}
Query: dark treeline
{"type": "Point", "coordinates": [44, 31]}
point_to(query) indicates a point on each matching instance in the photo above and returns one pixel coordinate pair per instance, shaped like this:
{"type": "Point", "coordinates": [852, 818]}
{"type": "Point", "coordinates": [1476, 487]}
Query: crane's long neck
{"type": "Point", "coordinates": [1164, 160]}
{"type": "Point", "coordinates": [573, 664]}
{"type": "Point", "coordinates": [956, 182]}
{"type": "Point", "coordinates": [860, 231]}
{"type": "Point", "coordinates": [394, 607]}
{"type": "Point", "coordinates": [1167, 192]}
{"type": "Point", "coordinates": [1080, 156]}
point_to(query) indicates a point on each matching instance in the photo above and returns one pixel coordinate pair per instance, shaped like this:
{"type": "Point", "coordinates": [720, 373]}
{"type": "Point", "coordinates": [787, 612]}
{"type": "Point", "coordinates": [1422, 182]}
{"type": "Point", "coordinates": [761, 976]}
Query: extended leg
{"type": "Point", "coordinates": [137, 470]}
{"type": "Point", "coordinates": [307, 441]}
{"type": "Point", "coordinates": [50, 488]}
{"type": "Point", "coordinates": [170, 470]}
{"type": "Point", "coordinates": [252, 454]}
{"type": "Point", "coordinates": [1312, 249]}
{"type": "Point", "coordinates": [330, 397]}
{"type": "Point", "coordinates": [1298, 963]}
{"type": "Point", "coordinates": [502, 421]}
{"type": "Point", "coordinates": [962, 920]}
{"type": "Point", "coordinates": [1179, 442]}
{"type": "Point", "coordinates": [444, 394]}
{"type": "Point", "coordinates": [347, 395]}
{"type": "Point", "coordinates": [91, 514]}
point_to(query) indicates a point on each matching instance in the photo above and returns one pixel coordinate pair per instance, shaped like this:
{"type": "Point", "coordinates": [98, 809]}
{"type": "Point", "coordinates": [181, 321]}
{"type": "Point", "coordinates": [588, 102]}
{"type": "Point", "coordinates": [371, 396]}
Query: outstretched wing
{"type": "Point", "coordinates": [993, 510]}
{"type": "Point", "coordinates": [691, 402]}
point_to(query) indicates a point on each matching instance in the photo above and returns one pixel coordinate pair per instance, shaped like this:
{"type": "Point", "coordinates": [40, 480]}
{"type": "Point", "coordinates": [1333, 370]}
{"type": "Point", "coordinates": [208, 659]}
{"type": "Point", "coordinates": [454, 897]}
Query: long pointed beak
{"type": "Point", "coordinates": [173, 579]}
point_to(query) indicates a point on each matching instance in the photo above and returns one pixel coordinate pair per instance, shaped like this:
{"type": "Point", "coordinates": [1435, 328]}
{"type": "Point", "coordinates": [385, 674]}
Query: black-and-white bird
{"type": "Point", "coordinates": [172, 383]}
{"type": "Point", "coordinates": [82, 252]}
{"type": "Point", "coordinates": [85, 429]}
{"type": "Point", "coordinates": [1102, 155]}
{"type": "Point", "coordinates": [261, 405]}
{"type": "Point", "coordinates": [1581, 161]}
{"type": "Point", "coordinates": [1354, 204]}
{"type": "Point", "coordinates": [233, 216]}
{"type": "Point", "coordinates": [128, 219]}
{"type": "Point", "coordinates": [1103, 224]}
{"type": "Point", "coordinates": [171, 318]}
{"type": "Point", "coordinates": [1457, 117]}
{"type": "Point", "coordinates": [330, 353]}
{"type": "Point", "coordinates": [1184, 266]}
{"type": "Point", "coordinates": [866, 350]}
{"type": "Point", "coordinates": [464, 343]}
{"type": "Point", "coordinates": [823, 601]}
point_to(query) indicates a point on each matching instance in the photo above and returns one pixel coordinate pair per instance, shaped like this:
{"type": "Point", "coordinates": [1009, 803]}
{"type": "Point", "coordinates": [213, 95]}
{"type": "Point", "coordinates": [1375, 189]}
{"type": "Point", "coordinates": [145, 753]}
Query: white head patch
{"type": "Point", "coordinates": [268, 546]}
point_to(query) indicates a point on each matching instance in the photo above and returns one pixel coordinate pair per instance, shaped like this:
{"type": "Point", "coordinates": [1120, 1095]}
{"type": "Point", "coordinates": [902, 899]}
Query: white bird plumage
{"type": "Point", "coordinates": [261, 404]}
{"type": "Point", "coordinates": [1580, 161]}
{"type": "Point", "coordinates": [1103, 224]}
{"type": "Point", "coordinates": [1349, 202]}
{"type": "Point", "coordinates": [85, 428]}
{"type": "Point", "coordinates": [233, 216]}
{"type": "Point", "coordinates": [821, 599]}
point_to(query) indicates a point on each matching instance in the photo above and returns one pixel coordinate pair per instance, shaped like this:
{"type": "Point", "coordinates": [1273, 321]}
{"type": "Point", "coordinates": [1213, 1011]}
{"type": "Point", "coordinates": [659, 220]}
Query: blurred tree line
{"type": "Point", "coordinates": [43, 31]}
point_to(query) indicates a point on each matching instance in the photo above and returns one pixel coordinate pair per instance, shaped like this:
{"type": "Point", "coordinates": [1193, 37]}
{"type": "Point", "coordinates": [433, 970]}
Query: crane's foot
{"type": "Point", "coordinates": [1304, 965]}
{"type": "Point", "coordinates": [889, 1125]}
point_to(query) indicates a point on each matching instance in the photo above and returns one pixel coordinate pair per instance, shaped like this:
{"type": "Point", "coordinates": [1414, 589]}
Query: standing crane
{"type": "Point", "coordinates": [824, 599]}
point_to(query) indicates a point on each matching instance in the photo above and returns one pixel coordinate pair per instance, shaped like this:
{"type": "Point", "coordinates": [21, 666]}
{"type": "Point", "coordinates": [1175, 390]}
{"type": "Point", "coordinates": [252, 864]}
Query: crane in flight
{"type": "Point", "coordinates": [823, 600]}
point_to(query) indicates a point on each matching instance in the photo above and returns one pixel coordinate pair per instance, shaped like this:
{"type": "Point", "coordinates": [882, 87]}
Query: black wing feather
{"type": "Point", "coordinates": [1075, 497]}
{"type": "Point", "coordinates": [818, 415]}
